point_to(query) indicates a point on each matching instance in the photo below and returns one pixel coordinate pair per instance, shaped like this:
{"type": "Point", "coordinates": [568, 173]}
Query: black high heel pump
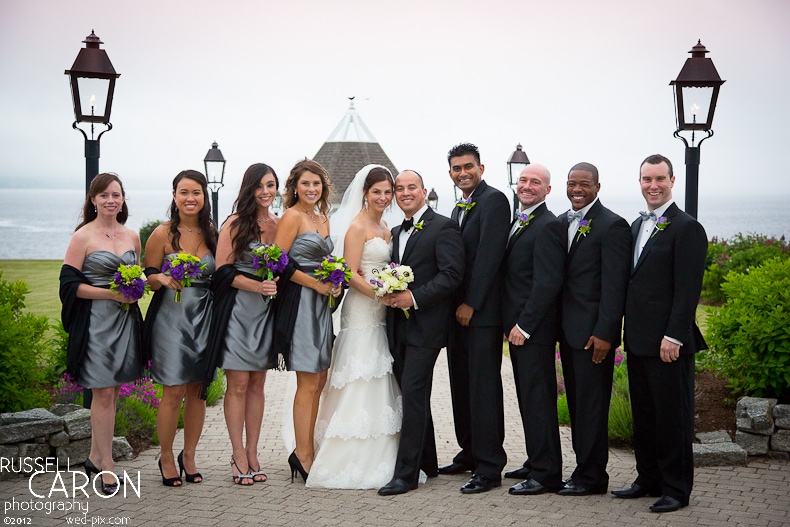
{"type": "Point", "coordinates": [296, 466]}
{"type": "Point", "coordinates": [197, 477]}
{"type": "Point", "coordinates": [169, 482]}
{"type": "Point", "coordinates": [107, 488]}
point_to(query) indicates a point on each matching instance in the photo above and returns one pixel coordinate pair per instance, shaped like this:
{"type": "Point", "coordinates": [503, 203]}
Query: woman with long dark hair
{"type": "Point", "coordinates": [178, 320]}
{"type": "Point", "coordinates": [306, 342]}
{"type": "Point", "coordinates": [243, 321]}
{"type": "Point", "coordinates": [104, 330]}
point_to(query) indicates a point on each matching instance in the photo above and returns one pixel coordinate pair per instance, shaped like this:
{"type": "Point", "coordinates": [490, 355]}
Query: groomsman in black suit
{"type": "Point", "coordinates": [661, 337]}
{"type": "Point", "coordinates": [533, 271]}
{"type": "Point", "coordinates": [593, 298]}
{"type": "Point", "coordinates": [475, 350]}
{"type": "Point", "coordinates": [431, 245]}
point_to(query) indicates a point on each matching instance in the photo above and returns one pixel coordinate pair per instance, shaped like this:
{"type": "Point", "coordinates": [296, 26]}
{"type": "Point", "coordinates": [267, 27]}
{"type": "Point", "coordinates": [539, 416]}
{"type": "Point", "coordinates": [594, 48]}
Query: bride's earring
{"type": "Point", "coordinates": [366, 205]}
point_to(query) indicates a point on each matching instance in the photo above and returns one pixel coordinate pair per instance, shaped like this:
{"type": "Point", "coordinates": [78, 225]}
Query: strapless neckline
{"type": "Point", "coordinates": [120, 257]}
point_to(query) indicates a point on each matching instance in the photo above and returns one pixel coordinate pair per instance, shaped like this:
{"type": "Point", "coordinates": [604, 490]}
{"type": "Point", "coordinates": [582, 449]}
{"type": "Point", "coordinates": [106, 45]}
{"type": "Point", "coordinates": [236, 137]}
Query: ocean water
{"type": "Point", "coordinates": [37, 224]}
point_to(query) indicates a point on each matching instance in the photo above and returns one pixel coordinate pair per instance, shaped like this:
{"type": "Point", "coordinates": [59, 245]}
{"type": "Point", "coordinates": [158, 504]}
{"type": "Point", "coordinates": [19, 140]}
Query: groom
{"type": "Point", "coordinates": [431, 245]}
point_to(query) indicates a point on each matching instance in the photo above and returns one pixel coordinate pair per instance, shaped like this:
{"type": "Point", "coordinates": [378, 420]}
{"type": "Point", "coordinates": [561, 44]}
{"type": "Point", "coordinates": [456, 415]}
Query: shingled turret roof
{"type": "Point", "coordinates": [350, 147]}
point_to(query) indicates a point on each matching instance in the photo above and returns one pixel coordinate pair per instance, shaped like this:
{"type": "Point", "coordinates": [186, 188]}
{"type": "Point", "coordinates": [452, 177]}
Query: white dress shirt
{"type": "Point", "coordinates": [573, 227]}
{"type": "Point", "coordinates": [403, 239]}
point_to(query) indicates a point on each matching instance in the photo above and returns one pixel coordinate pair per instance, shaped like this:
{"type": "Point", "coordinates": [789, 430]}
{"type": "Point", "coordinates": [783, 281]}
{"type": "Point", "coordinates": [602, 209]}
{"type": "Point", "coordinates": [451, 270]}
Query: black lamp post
{"type": "Point", "coordinates": [518, 161]}
{"type": "Point", "coordinates": [215, 176]}
{"type": "Point", "coordinates": [696, 92]}
{"type": "Point", "coordinates": [92, 79]}
{"type": "Point", "coordinates": [433, 199]}
{"type": "Point", "coordinates": [277, 203]}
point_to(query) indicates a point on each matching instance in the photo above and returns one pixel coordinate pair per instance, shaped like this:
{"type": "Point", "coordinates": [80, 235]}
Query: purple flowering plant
{"type": "Point", "coordinates": [183, 267]}
{"type": "Point", "coordinates": [466, 203]}
{"type": "Point", "coordinates": [333, 269]}
{"type": "Point", "coordinates": [523, 220]}
{"type": "Point", "coordinates": [394, 277]}
{"type": "Point", "coordinates": [584, 228]}
{"type": "Point", "coordinates": [268, 260]}
{"type": "Point", "coordinates": [129, 281]}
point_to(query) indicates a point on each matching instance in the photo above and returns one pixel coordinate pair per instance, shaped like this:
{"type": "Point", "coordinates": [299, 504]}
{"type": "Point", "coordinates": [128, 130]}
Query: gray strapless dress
{"type": "Point", "coordinates": [311, 346]}
{"type": "Point", "coordinates": [180, 333]}
{"type": "Point", "coordinates": [114, 350]}
{"type": "Point", "coordinates": [248, 339]}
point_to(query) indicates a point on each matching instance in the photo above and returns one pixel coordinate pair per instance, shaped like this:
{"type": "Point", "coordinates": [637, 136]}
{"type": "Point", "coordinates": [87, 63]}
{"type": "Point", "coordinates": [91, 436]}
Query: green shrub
{"type": "Point", "coordinates": [216, 389]}
{"type": "Point", "coordinates": [22, 346]}
{"type": "Point", "coordinates": [58, 350]}
{"type": "Point", "coordinates": [145, 233]}
{"type": "Point", "coordinates": [741, 254]}
{"type": "Point", "coordinates": [749, 335]}
{"type": "Point", "coordinates": [563, 414]}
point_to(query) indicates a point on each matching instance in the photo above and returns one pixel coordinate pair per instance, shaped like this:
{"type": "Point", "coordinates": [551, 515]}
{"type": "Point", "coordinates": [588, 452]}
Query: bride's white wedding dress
{"type": "Point", "coordinates": [360, 414]}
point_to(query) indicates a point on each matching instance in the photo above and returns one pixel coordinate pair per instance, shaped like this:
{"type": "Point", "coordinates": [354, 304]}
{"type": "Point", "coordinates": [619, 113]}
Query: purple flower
{"type": "Point", "coordinates": [177, 272]}
{"type": "Point", "coordinates": [337, 277]}
{"type": "Point", "coordinates": [118, 278]}
{"type": "Point", "coordinates": [166, 266]}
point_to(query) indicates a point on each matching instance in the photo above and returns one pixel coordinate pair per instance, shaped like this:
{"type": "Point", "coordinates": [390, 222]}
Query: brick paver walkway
{"type": "Point", "coordinates": [757, 494]}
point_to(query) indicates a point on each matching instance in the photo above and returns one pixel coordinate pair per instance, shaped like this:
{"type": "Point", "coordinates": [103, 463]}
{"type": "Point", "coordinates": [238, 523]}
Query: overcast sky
{"type": "Point", "coordinates": [269, 80]}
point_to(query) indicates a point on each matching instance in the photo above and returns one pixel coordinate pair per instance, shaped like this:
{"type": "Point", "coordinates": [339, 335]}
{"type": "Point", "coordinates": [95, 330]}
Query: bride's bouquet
{"type": "Point", "coordinates": [333, 269]}
{"type": "Point", "coordinates": [269, 259]}
{"type": "Point", "coordinates": [183, 267]}
{"type": "Point", "coordinates": [391, 279]}
{"type": "Point", "coordinates": [130, 281]}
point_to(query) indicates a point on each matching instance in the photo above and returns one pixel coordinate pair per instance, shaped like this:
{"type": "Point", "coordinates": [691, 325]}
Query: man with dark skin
{"type": "Point", "coordinates": [593, 298]}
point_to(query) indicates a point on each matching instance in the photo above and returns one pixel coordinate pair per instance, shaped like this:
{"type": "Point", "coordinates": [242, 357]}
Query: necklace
{"type": "Point", "coordinates": [312, 218]}
{"type": "Point", "coordinates": [111, 236]}
{"type": "Point", "coordinates": [262, 221]}
{"type": "Point", "coordinates": [197, 233]}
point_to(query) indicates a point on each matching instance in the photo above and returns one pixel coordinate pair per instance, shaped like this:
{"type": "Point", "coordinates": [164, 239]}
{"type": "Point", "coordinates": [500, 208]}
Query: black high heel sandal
{"type": "Point", "coordinates": [169, 482]}
{"type": "Point", "coordinates": [296, 466]}
{"type": "Point", "coordinates": [107, 488]}
{"type": "Point", "coordinates": [191, 478]}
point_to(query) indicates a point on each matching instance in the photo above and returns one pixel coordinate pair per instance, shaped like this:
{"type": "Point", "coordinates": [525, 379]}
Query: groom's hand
{"type": "Point", "coordinates": [464, 314]}
{"type": "Point", "coordinates": [400, 300]}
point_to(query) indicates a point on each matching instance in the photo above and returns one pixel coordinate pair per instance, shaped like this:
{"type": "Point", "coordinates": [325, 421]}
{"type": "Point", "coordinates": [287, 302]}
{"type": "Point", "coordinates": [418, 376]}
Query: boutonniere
{"type": "Point", "coordinates": [584, 228]}
{"type": "Point", "coordinates": [523, 220]}
{"type": "Point", "coordinates": [419, 225]}
{"type": "Point", "coordinates": [661, 223]}
{"type": "Point", "coordinates": [466, 203]}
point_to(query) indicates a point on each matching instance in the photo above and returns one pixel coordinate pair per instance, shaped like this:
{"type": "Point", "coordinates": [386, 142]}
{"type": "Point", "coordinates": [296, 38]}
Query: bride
{"type": "Point", "coordinates": [360, 414]}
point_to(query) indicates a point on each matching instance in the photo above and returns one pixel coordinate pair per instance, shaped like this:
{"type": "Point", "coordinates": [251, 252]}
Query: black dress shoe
{"type": "Point", "coordinates": [634, 491]}
{"type": "Point", "coordinates": [519, 473]}
{"type": "Point", "coordinates": [528, 487]}
{"type": "Point", "coordinates": [397, 486]}
{"type": "Point", "coordinates": [667, 504]}
{"type": "Point", "coordinates": [480, 483]}
{"type": "Point", "coordinates": [454, 468]}
{"type": "Point", "coordinates": [574, 489]}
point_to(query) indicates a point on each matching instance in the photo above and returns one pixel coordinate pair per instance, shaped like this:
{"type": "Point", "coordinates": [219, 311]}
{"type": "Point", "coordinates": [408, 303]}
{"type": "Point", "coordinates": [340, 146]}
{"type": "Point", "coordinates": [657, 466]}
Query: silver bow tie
{"type": "Point", "coordinates": [648, 215]}
{"type": "Point", "coordinates": [574, 215]}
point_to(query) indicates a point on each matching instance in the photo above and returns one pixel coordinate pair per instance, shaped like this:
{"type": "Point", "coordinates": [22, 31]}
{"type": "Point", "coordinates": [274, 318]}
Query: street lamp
{"type": "Point", "coordinates": [433, 199]}
{"type": "Point", "coordinates": [92, 78]}
{"type": "Point", "coordinates": [215, 176]}
{"type": "Point", "coordinates": [277, 203]}
{"type": "Point", "coordinates": [518, 161]}
{"type": "Point", "coordinates": [696, 92]}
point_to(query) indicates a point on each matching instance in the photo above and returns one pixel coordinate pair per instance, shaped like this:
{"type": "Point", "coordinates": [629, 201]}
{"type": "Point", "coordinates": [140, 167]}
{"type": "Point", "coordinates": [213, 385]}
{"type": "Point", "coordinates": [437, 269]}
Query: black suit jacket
{"type": "Point", "coordinates": [435, 254]}
{"type": "Point", "coordinates": [484, 232]}
{"type": "Point", "coordinates": [533, 270]}
{"type": "Point", "coordinates": [665, 285]}
{"type": "Point", "coordinates": [597, 268]}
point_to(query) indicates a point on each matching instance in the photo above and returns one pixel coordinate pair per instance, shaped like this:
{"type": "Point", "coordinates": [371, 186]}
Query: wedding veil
{"type": "Point", "coordinates": [349, 208]}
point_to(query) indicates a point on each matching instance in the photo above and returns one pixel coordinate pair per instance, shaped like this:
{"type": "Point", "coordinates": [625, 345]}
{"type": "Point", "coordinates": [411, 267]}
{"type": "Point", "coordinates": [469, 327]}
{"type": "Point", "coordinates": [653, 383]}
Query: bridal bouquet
{"type": "Point", "coordinates": [183, 267]}
{"type": "Point", "coordinates": [391, 279]}
{"type": "Point", "coordinates": [130, 282]}
{"type": "Point", "coordinates": [333, 269]}
{"type": "Point", "coordinates": [269, 259]}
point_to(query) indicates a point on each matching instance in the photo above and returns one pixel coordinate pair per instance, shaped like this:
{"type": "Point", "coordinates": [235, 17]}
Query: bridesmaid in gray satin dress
{"type": "Point", "coordinates": [304, 233]}
{"type": "Point", "coordinates": [247, 348]}
{"type": "Point", "coordinates": [179, 330]}
{"type": "Point", "coordinates": [112, 356]}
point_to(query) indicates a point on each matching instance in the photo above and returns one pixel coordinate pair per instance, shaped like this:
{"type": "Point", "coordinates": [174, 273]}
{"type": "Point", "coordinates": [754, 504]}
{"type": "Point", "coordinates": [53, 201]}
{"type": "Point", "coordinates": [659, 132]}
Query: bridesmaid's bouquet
{"type": "Point", "coordinates": [269, 259]}
{"type": "Point", "coordinates": [333, 269]}
{"type": "Point", "coordinates": [130, 281]}
{"type": "Point", "coordinates": [183, 267]}
{"type": "Point", "coordinates": [391, 279]}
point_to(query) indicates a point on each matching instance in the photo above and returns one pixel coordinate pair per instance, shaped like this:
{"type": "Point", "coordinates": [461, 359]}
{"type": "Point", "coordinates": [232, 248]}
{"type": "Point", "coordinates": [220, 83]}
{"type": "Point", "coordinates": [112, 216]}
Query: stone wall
{"type": "Point", "coordinates": [763, 427]}
{"type": "Point", "coordinates": [62, 432]}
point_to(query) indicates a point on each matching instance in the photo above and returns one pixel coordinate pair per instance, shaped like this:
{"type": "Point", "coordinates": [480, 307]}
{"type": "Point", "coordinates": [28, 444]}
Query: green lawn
{"type": "Point", "coordinates": [42, 282]}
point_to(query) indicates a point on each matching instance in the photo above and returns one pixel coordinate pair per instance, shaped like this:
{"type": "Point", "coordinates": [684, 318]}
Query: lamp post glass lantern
{"type": "Point", "coordinates": [433, 199]}
{"type": "Point", "coordinates": [215, 176]}
{"type": "Point", "coordinates": [92, 78]}
{"type": "Point", "coordinates": [277, 203]}
{"type": "Point", "coordinates": [696, 92]}
{"type": "Point", "coordinates": [518, 161]}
